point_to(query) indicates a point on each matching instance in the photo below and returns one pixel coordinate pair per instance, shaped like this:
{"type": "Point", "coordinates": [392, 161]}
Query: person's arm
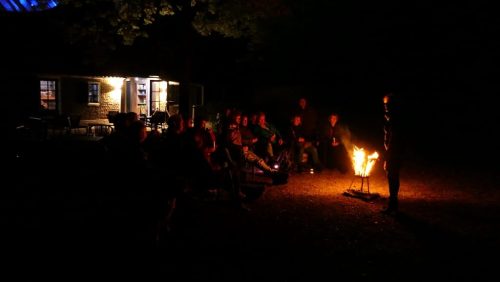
{"type": "Point", "coordinates": [277, 134]}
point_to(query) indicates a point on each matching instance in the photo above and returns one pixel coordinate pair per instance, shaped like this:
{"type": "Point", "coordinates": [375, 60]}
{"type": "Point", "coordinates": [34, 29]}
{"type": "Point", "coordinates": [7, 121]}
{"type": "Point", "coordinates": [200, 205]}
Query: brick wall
{"type": "Point", "coordinates": [74, 98]}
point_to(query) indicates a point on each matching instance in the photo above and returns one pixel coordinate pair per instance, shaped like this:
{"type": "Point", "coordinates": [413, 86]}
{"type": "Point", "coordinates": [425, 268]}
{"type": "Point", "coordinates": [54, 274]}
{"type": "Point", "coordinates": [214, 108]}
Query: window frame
{"type": "Point", "coordinates": [155, 90]}
{"type": "Point", "coordinates": [51, 89]}
{"type": "Point", "coordinates": [93, 95]}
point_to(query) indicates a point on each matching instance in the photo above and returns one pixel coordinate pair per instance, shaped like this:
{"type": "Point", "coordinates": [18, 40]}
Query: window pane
{"type": "Point", "coordinates": [93, 92]}
{"type": "Point", "coordinates": [48, 94]}
{"type": "Point", "coordinates": [52, 85]}
{"type": "Point", "coordinates": [51, 105]}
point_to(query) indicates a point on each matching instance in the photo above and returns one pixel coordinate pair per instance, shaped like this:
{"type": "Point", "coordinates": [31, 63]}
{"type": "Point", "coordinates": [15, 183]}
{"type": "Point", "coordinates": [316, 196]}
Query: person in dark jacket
{"type": "Point", "coordinates": [393, 144]}
{"type": "Point", "coordinates": [334, 137]}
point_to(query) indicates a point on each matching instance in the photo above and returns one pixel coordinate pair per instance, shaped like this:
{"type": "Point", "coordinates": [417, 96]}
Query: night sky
{"type": "Point", "coordinates": [440, 58]}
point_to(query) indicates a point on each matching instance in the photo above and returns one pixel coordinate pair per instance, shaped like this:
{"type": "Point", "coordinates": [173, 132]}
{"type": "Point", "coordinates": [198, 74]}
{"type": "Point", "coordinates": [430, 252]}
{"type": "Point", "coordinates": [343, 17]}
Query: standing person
{"type": "Point", "coordinates": [393, 144]}
{"type": "Point", "coordinates": [309, 119]}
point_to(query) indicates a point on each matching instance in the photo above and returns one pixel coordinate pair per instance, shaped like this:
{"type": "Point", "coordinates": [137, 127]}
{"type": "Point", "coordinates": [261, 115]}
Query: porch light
{"type": "Point", "coordinates": [116, 85]}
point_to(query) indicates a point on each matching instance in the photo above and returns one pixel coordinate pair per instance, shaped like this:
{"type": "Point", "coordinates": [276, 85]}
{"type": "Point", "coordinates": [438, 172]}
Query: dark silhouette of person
{"type": "Point", "coordinates": [309, 119]}
{"type": "Point", "coordinates": [393, 144]}
{"type": "Point", "coordinates": [299, 144]}
{"type": "Point", "coordinates": [334, 139]}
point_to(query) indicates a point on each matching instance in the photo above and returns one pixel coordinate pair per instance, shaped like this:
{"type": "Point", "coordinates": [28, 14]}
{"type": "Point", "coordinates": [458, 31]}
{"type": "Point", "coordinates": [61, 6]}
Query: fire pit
{"type": "Point", "coordinates": [363, 164]}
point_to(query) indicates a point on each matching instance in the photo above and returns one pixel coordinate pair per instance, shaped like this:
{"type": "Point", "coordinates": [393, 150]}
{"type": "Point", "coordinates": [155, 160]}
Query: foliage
{"type": "Point", "coordinates": [129, 19]}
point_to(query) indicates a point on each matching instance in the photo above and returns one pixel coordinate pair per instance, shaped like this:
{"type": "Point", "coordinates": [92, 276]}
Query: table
{"type": "Point", "coordinates": [99, 128]}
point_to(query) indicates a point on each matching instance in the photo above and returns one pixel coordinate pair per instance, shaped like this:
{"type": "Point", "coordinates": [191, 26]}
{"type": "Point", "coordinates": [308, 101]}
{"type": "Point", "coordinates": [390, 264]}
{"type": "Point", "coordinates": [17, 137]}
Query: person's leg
{"type": "Point", "coordinates": [393, 179]}
{"type": "Point", "coordinates": [322, 153]}
{"type": "Point", "coordinates": [292, 157]}
{"type": "Point", "coordinates": [392, 168]}
{"type": "Point", "coordinates": [330, 157]}
{"type": "Point", "coordinates": [254, 159]}
{"type": "Point", "coordinates": [269, 150]}
{"type": "Point", "coordinates": [300, 157]}
{"type": "Point", "coordinates": [313, 154]}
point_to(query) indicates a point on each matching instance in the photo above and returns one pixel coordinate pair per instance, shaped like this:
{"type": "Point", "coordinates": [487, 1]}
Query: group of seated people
{"type": "Point", "coordinates": [326, 147]}
{"type": "Point", "coordinates": [297, 148]}
{"type": "Point", "coordinates": [191, 156]}
{"type": "Point", "coordinates": [201, 158]}
{"type": "Point", "coordinates": [236, 139]}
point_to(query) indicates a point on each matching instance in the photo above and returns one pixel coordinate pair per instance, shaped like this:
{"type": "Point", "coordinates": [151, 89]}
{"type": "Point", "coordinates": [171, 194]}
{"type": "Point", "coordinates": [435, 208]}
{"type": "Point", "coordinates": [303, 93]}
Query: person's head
{"type": "Point", "coordinates": [200, 121]}
{"type": "Point", "coordinates": [302, 103]}
{"type": "Point", "coordinates": [175, 123]}
{"type": "Point", "coordinates": [390, 101]}
{"type": "Point", "coordinates": [132, 116]}
{"type": "Point", "coordinates": [235, 117]}
{"type": "Point", "coordinates": [138, 131]}
{"type": "Point", "coordinates": [244, 120]}
{"type": "Point", "coordinates": [296, 120]}
{"type": "Point", "coordinates": [253, 118]}
{"type": "Point", "coordinates": [333, 118]}
{"type": "Point", "coordinates": [261, 120]}
{"type": "Point", "coordinates": [392, 107]}
{"type": "Point", "coordinates": [121, 122]}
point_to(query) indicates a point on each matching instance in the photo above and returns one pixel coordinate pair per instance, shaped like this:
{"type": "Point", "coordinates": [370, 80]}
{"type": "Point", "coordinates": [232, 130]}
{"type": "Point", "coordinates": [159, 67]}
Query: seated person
{"type": "Point", "coordinates": [247, 136]}
{"type": "Point", "coordinates": [236, 148]}
{"type": "Point", "coordinates": [299, 145]}
{"type": "Point", "coordinates": [334, 138]}
{"type": "Point", "coordinates": [269, 139]}
{"type": "Point", "coordinates": [199, 146]}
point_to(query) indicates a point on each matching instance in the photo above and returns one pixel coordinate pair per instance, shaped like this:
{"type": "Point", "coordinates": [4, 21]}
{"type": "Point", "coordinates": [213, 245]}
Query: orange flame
{"type": "Point", "coordinates": [362, 163]}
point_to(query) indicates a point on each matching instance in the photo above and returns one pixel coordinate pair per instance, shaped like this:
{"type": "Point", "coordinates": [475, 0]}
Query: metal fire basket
{"type": "Point", "coordinates": [359, 193]}
{"type": "Point", "coordinates": [363, 180]}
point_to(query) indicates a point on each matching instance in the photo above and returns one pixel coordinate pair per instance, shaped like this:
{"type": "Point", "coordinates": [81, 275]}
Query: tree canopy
{"type": "Point", "coordinates": [129, 19]}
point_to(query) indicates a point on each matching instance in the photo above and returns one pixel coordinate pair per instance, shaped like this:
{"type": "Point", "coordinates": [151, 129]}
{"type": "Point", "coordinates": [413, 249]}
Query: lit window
{"type": "Point", "coordinates": [48, 92]}
{"type": "Point", "coordinates": [93, 92]}
{"type": "Point", "coordinates": [155, 95]}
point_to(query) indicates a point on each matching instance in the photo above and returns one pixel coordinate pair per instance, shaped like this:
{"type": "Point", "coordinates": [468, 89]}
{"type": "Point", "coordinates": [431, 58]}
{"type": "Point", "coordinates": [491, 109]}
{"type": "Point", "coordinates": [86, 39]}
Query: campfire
{"type": "Point", "coordinates": [363, 165]}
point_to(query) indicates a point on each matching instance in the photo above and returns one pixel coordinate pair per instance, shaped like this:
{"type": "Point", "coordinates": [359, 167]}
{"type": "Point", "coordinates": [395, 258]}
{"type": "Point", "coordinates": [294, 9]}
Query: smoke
{"type": "Point", "coordinates": [346, 137]}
